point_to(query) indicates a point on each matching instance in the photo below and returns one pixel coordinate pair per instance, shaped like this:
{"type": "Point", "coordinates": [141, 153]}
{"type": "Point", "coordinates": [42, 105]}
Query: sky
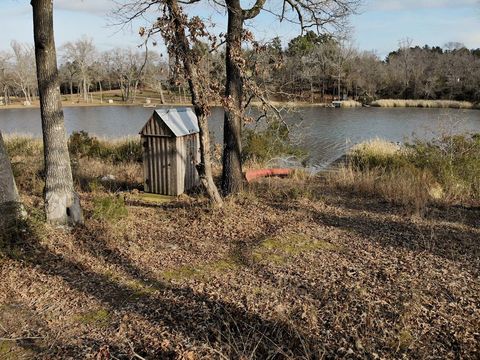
{"type": "Point", "coordinates": [379, 25]}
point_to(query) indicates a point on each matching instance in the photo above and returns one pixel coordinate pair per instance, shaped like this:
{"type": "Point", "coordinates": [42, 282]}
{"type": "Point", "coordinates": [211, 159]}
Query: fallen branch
{"type": "Point", "coordinates": [22, 338]}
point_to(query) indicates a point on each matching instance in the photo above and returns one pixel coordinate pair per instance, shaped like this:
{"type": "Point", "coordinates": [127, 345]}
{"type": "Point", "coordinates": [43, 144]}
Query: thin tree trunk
{"type": "Point", "coordinates": [25, 93]}
{"type": "Point", "coordinates": [323, 90]}
{"type": "Point", "coordinates": [200, 104]}
{"type": "Point", "coordinates": [160, 90]}
{"type": "Point", "coordinates": [311, 91]}
{"type": "Point", "coordinates": [101, 92]}
{"type": "Point", "coordinates": [339, 88]}
{"type": "Point", "coordinates": [184, 94]}
{"type": "Point", "coordinates": [232, 176]}
{"type": "Point", "coordinates": [122, 89]}
{"type": "Point", "coordinates": [62, 205]}
{"type": "Point", "coordinates": [135, 87]}
{"type": "Point", "coordinates": [5, 95]}
{"type": "Point", "coordinates": [85, 89]}
{"type": "Point", "coordinates": [11, 209]}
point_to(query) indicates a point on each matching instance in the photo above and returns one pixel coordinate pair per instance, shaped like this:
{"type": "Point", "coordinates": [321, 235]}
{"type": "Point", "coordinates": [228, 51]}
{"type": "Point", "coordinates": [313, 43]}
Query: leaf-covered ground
{"type": "Point", "coordinates": [270, 275]}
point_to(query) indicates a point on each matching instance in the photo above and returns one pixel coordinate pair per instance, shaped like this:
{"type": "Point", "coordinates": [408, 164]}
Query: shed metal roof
{"type": "Point", "coordinates": [182, 121]}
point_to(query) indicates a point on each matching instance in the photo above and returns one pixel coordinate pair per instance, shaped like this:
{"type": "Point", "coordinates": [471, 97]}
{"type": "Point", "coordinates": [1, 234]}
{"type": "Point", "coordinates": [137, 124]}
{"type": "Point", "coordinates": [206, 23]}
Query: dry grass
{"type": "Point", "coordinates": [90, 173]}
{"type": "Point", "coordinates": [410, 188]}
{"type": "Point", "coordinates": [377, 147]}
{"type": "Point", "coordinates": [445, 171]}
{"type": "Point", "coordinates": [389, 103]}
{"type": "Point", "coordinates": [93, 175]}
{"type": "Point", "coordinates": [350, 104]}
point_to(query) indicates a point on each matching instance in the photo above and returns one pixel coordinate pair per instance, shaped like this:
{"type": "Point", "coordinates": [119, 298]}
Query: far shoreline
{"type": "Point", "coordinates": [382, 103]}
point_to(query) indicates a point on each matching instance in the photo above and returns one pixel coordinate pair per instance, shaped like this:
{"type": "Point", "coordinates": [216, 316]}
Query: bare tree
{"type": "Point", "coordinates": [10, 206]}
{"type": "Point", "coordinates": [370, 74]}
{"type": "Point", "coordinates": [62, 205]}
{"type": "Point", "coordinates": [24, 69]}
{"type": "Point", "coordinates": [156, 74]}
{"type": "Point", "coordinates": [69, 72]}
{"type": "Point", "coordinates": [82, 53]}
{"type": "Point", "coordinates": [406, 62]}
{"type": "Point", "coordinates": [128, 65]}
{"type": "Point", "coordinates": [179, 47]}
{"type": "Point", "coordinates": [339, 63]}
{"type": "Point", "coordinates": [173, 26]}
{"type": "Point", "coordinates": [5, 78]}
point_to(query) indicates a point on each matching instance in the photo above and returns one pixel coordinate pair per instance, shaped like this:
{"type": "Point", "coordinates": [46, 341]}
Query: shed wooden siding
{"type": "Point", "coordinates": [158, 158]}
{"type": "Point", "coordinates": [169, 162]}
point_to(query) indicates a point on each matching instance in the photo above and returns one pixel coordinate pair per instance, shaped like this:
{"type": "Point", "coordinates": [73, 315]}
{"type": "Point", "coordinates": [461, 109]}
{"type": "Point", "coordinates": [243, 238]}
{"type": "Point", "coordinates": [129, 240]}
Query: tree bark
{"type": "Point", "coordinates": [199, 102]}
{"type": "Point", "coordinates": [232, 176]}
{"type": "Point", "coordinates": [11, 209]}
{"type": "Point", "coordinates": [62, 205]}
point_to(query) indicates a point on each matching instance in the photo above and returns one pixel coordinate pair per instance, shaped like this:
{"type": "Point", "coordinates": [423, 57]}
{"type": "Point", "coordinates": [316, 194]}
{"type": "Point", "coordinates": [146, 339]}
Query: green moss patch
{"type": "Point", "coordinates": [280, 248]}
{"type": "Point", "coordinates": [203, 271]}
{"type": "Point", "coordinates": [154, 198]}
{"type": "Point", "coordinates": [100, 317]}
{"type": "Point", "coordinates": [6, 348]}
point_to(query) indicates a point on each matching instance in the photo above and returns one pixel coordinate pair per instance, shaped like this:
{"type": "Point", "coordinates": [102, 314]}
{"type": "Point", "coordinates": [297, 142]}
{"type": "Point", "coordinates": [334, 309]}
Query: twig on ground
{"type": "Point", "coordinates": [134, 353]}
{"type": "Point", "coordinates": [22, 338]}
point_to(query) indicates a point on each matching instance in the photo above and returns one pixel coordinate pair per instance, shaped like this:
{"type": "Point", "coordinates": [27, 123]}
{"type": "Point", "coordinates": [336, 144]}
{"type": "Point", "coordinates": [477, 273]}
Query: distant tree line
{"type": "Point", "coordinates": [312, 67]}
{"type": "Point", "coordinates": [319, 67]}
{"type": "Point", "coordinates": [83, 69]}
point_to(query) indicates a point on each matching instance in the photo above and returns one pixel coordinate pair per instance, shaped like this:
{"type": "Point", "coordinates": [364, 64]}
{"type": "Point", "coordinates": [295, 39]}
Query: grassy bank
{"type": "Point", "coordinates": [389, 103]}
{"type": "Point", "coordinates": [350, 104]}
{"type": "Point", "coordinates": [302, 267]}
{"type": "Point", "coordinates": [444, 171]}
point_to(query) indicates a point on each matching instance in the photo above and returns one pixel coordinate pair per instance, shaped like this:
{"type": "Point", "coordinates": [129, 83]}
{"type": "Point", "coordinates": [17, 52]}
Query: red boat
{"type": "Point", "coordinates": [254, 174]}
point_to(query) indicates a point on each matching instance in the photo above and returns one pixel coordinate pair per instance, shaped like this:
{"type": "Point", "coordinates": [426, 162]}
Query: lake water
{"type": "Point", "coordinates": [324, 133]}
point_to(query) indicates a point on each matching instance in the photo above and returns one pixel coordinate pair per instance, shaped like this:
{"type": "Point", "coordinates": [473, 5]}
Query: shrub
{"type": "Point", "coordinates": [454, 161]}
{"type": "Point", "coordinates": [23, 146]}
{"type": "Point", "coordinates": [274, 141]}
{"type": "Point", "coordinates": [447, 168]}
{"type": "Point", "coordinates": [111, 208]}
{"type": "Point", "coordinates": [81, 144]}
{"type": "Point", "coordinates": [26, 155]}
{"type": "Point", "coordinates": [377, 153]}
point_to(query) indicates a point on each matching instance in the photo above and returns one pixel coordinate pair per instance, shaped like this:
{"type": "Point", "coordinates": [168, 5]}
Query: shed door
{"type": "Point", "coordinates": [191, 174]}
{"type": "Point", "coordinates": [157, 164]}
{"type": "Point", "coordinates": [147, 175]}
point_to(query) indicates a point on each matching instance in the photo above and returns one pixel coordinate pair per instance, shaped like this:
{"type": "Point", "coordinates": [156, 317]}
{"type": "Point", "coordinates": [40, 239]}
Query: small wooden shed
{"type": "Point", "coordinates": [171, 152]}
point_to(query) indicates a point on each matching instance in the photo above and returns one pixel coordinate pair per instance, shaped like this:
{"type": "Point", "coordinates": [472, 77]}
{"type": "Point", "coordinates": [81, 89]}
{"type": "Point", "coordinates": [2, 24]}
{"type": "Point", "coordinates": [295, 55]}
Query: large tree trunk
{"type": "Point", "coordinates": [232, 176]}
{"type": "Point", "coordinates": [62, 205]}
{"type": "Point", "coordinates": [10, 207]}
{"type": "Point", "coordinates": [199, 102]}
